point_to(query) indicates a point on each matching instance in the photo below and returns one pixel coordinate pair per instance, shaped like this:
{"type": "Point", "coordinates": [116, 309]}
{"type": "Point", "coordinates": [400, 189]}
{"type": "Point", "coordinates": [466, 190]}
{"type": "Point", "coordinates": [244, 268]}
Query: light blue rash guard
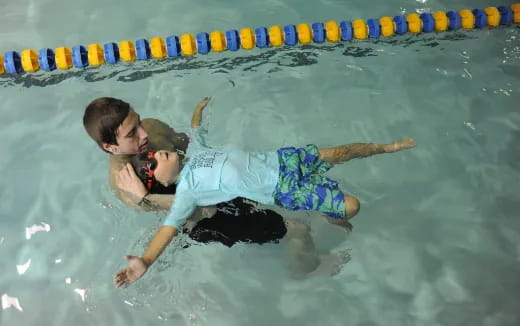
{"type": "Point", "coordinates": [213, 176]}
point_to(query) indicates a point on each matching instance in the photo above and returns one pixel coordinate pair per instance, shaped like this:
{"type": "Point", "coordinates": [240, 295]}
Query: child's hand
{"type": "Point", "coordinates": [197, 113]}
{"type": "Point", "coordinates": [134, 271]}
{"type": "Point", "coordinates": [204, 102]}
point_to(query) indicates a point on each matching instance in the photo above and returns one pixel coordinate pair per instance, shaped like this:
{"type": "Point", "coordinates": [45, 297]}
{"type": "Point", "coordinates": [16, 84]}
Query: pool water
{"type": "Point", "coordinates": [435, 242]}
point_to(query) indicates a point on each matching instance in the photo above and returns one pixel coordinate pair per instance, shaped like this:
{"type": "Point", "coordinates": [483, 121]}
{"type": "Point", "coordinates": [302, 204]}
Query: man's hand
{"type": "Point", "coordinates": [134, 271]}
{"type": "Point", "coordinates": [129, 181]}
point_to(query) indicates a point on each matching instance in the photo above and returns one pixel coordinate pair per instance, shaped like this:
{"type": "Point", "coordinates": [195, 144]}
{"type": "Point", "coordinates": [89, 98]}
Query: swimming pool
{"type": "Point", "coordinates": [435, 242]}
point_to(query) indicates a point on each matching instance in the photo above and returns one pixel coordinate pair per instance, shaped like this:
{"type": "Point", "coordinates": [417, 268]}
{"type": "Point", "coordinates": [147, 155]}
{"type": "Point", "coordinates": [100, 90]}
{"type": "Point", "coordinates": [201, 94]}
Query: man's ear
{"type": "Point", "coordinates": [109, 147]}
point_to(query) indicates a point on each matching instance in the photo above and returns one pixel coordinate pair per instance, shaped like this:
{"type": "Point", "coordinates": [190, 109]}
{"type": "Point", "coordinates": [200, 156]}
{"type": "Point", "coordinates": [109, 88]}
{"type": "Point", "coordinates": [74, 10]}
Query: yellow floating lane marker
{"type": "Point", "coordinates": [218, 41]}
{"type": "Point", "coordinates": [467, 19]}
{"type": "Point", "coordinates": [2, 68]}
{"type": "Point", "coordinates": [360, 29]}
{"type": "Point", "coordinates": [247, 38]}
{"type": "Point", "coordinates": [188, 44]}
{"type": "Point", "coordinates": [276, 37]}
{"type": "Point", "coordinates": [63, 56]}
{"type": "Point", "coordinates": [158, 48]}
{"type": "Point", "coordinates": [304, 33]}
{"type": "Point", "coordinates": [516, 12]}
{"type": "Point", "coordinates": [127, 51]}
{"type": "Point", "coordinates": [387, 26]}
{"type": "Point", "coordinates": [30, 60]}
{"type": "Point", "coordinates": [332, 31]}
{"type": "Point", "coordinates": [493, 16]}
{"type": "Point", "coordinates": [96, 55]}
{"type": "Point", "coordinates": [414, 23]}
{"type": "Point", "coordinates": [441, 21]}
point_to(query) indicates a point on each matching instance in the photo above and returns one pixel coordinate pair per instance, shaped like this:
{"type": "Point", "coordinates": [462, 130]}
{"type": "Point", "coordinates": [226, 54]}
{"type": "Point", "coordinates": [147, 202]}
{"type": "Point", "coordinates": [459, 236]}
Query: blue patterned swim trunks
{"type": "Point", "coordinates": [302, 187]}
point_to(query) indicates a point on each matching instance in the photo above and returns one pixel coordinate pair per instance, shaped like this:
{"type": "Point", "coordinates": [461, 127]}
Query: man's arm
{"type": "Point", "coordinates": [153, 202]}
{"type": "Point", "coordinates": [150, 202]}
{"type": "Point", "coordinates": [132, 191]}
{"type": "Point", "coordinates": [137, 266]}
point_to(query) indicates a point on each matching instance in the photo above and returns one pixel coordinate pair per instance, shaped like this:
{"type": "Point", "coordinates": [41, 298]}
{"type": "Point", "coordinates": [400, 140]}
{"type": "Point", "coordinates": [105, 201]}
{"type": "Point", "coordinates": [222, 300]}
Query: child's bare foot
{"type": "Point", "coordinates": [341, 222]}
{"type": "Point", "coordinates": [400, 145]}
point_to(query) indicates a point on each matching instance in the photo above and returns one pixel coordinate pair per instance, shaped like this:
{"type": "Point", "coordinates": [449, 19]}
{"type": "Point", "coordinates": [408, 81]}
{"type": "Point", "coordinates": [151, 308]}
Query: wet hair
{"type": "Point", "coordinates": [102, 118]}
{"type": "Point", "coordinates": [140, 163]}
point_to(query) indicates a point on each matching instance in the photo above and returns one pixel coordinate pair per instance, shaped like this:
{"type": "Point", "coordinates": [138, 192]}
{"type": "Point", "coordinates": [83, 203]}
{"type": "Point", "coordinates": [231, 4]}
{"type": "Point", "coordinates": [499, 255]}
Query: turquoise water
{"type": "Point", "coordinates": [435, 243]}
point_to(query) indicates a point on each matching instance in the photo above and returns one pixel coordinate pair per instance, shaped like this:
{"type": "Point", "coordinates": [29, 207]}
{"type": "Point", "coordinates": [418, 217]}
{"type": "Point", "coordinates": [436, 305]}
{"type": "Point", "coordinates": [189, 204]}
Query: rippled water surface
{"type": "Point", "coordinates": [435, 243]}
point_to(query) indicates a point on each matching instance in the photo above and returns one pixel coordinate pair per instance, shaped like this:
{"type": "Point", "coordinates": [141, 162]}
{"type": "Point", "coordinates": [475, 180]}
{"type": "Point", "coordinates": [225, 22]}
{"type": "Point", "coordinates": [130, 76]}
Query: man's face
{"type": "Point", "coordinates": [130, 135]}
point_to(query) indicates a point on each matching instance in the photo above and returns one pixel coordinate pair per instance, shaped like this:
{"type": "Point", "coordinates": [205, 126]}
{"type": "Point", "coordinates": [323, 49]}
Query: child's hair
{"type": "Point", "coordinates": [143, 163]}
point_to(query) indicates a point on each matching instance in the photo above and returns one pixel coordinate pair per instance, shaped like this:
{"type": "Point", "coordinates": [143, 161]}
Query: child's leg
{"type": "Point", "coordinates": [347, 152]}
{"type": "Point", "coordinates": [352, 207]}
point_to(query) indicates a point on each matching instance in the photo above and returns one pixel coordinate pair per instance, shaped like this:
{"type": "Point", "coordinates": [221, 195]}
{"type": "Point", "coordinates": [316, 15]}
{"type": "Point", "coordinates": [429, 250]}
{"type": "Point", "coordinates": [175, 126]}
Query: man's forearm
{"type": "Point", "coordinates": [152, 202]}
{"type": "Point", "coordinates": [160, 241]}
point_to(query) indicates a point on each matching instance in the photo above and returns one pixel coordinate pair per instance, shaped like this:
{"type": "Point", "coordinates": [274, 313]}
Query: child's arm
{"type": "Point", "coordinates": [138, 266]}
{"type": "Point", "coordinates": [197, 114]}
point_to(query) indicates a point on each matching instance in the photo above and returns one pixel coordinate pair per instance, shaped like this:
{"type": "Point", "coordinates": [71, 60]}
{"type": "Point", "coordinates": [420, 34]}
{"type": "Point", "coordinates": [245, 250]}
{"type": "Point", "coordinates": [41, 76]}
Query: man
{"type": "Point", "coordinates": [118, 130]}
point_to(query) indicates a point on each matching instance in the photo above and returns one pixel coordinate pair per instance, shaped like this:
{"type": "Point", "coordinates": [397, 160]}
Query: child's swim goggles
{"type": "Point", "coordinates": [151, 164]}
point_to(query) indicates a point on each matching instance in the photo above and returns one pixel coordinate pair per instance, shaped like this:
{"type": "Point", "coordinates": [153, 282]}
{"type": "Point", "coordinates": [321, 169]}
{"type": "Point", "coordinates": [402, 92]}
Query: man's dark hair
{"type": "Point", "coordinates": [102, 118]}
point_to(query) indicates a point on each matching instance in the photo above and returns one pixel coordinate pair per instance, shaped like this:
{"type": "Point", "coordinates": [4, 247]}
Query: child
{"type": "Point", "coordinates": [290, 177]}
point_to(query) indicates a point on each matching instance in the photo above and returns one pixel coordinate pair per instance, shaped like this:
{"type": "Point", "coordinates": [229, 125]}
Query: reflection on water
{"type": "Point", "coordinates": [24, 267]}
{"type": "Point", "coordinates": [8, 302]}
{"type": "Point", "coordinates": [30, 231]}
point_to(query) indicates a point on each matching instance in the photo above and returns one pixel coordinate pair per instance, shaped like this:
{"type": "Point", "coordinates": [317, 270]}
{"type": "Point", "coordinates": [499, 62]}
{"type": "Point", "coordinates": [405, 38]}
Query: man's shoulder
{"type": "Point", "coordinates": [162, 136]}
{"type": "Point", "coordinates": [158, 129]}
{"type": "Point", "coordinates": [118, 161]}
{"type": "Point", "coordinates": [151, 123]}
